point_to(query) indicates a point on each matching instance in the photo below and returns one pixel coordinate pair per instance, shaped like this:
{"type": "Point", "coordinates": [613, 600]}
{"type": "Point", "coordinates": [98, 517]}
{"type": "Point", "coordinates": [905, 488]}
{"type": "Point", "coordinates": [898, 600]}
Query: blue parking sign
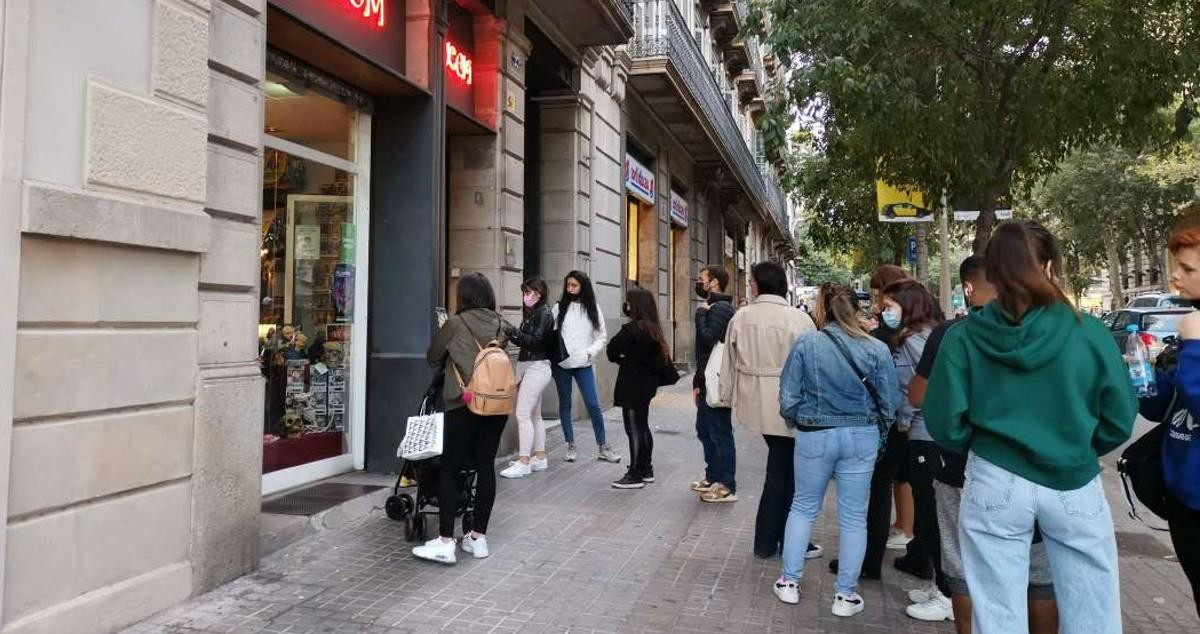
{"type": "Point", "coordinates": [912, 249]}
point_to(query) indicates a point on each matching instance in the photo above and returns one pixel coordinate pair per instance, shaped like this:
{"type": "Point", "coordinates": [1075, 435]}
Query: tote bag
{"type": "Point", "coordinates": [712, 376]}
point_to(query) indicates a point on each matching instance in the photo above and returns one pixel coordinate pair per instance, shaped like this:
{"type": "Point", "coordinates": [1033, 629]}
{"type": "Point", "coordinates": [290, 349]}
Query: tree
{"type": "Point", "coordinates": [984, 97]}
{"type": "Point", "coordinates": [1101, 201]}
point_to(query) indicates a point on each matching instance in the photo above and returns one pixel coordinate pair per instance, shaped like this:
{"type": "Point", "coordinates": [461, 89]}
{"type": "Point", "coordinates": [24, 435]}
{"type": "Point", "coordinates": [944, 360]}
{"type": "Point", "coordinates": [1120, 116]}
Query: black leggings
{"type": "Point", "coordinates": [879, 510]}
{"type": "Point", "coordinates": [471, 442]}
{"type": "Point", "coordinates": [925, 550]}
{"type": "Point", "coordinates": [641, 442]}
{"type": "Point", "coordinates": [1185, 528]}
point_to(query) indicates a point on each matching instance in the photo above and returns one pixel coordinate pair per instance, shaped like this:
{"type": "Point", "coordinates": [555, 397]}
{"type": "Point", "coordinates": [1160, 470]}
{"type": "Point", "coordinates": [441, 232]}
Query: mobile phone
{"type": "Point", "coordinates": [441, 315]}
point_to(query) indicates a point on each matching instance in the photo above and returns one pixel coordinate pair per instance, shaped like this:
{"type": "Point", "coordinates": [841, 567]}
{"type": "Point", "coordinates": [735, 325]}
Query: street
{"type": "Point", "coordinates": [571, 554]}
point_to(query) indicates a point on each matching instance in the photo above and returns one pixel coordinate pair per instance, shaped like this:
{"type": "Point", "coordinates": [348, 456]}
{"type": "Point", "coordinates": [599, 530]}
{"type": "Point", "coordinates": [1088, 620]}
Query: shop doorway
{"type": "Point", "coordinates": [313, 259]}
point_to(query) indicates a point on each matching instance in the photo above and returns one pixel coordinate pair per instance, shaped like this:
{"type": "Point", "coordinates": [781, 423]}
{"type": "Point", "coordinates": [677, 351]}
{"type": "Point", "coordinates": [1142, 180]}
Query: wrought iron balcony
{"type": "Point", "coordinates": [671, 74]}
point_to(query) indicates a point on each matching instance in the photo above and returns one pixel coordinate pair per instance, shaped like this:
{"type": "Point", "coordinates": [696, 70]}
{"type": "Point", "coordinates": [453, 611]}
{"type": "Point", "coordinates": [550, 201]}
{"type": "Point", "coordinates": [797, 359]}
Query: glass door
{"type": "Point", "coordinates": [312, 320]}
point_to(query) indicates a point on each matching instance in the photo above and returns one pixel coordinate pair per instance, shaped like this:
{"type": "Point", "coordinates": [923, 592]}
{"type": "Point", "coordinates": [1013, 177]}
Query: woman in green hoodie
{"type": "Point", "coordinates": [1036, 393]}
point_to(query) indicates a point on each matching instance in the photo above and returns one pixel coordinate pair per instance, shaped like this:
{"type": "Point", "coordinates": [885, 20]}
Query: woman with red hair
{"type": "Point", "coordinates": [1177, 404]}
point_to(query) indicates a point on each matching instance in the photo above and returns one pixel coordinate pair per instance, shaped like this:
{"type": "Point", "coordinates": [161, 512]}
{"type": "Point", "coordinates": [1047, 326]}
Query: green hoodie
{"type": "Point", "coordinates": [1043, 399]}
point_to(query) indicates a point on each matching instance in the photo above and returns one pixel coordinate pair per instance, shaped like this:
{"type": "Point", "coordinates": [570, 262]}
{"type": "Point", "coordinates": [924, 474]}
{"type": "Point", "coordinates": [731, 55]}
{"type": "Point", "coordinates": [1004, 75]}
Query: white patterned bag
{"type": "Point", "coordinates": [424, 435]}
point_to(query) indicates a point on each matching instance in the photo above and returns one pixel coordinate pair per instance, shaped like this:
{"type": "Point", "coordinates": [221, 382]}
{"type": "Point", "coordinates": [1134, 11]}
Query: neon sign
{"type": "Point", "coordinates": [458, 63]}
{"type": "Point", "coordinates": [370, 9]}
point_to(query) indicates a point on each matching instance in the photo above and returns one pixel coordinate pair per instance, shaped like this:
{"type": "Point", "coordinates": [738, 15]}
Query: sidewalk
{"type": "Point", "coordinates": [570, 554]}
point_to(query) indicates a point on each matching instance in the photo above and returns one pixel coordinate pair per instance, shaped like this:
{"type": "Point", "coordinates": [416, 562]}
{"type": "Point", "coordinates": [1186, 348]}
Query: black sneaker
{"type": "Point", "coordinates": [870, 576]}
{"type": "Point", "coordinates": [648, 474]}
{"type": "Point", "coordinates": [630, 481]}
{"type": "Point", "coordinates": [906, 565]}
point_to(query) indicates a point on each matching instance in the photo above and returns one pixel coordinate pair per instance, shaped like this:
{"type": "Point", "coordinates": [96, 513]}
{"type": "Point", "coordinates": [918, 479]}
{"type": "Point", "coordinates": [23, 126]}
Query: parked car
{"type": "Point", "coordinates": [1158, 300]}
{"type": "Point", "coordinates": [1157, 327]}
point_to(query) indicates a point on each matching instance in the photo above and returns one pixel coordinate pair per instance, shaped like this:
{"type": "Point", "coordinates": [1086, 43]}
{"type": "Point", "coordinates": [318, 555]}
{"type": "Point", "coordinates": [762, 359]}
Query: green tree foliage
{"type": "Point", "coordinates": [984, 97]}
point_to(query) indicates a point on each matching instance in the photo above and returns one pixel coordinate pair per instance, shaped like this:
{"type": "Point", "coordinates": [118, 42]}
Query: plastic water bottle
{"type": "Point", "coordinates": [1137, 358]}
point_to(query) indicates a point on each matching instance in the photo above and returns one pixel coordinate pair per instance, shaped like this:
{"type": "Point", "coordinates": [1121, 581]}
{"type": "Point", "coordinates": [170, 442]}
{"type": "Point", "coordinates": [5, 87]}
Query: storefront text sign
{"type": "Point", "coordinates": [458, 63]}
{"type": "Point", "coordinates": [373, 29]}
{"type": "Point", "coordinates": [372, 10]}
{"type": "Point", "coordinates": [639, 180]}
{"type": "Point", "coordinates": [679, 209]}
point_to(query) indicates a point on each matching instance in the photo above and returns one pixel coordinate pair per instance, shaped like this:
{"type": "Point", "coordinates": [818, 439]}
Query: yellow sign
{"type": "Point", "coordinates": [901, 204]}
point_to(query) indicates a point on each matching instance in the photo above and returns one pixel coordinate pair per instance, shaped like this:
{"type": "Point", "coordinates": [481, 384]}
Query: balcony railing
{"type": "Point", "coordinates": [660, 31]}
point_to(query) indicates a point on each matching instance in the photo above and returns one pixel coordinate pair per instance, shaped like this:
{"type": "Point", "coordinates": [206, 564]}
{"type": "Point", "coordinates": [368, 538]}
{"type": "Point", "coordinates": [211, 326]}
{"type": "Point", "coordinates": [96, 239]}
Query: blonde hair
{"type": "Point", "coordinates": [840, 304]}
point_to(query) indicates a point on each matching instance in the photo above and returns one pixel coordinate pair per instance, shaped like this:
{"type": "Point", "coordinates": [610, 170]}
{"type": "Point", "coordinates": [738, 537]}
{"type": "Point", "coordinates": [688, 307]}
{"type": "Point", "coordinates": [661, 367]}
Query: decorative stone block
{"type": "Point", "coordinates": [180, 54]}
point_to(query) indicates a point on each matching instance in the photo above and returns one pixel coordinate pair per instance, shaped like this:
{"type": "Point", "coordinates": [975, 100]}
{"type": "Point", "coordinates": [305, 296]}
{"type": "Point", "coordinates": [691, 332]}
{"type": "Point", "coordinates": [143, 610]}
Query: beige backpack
{"type": "Point", "coordinates": [492, 390]}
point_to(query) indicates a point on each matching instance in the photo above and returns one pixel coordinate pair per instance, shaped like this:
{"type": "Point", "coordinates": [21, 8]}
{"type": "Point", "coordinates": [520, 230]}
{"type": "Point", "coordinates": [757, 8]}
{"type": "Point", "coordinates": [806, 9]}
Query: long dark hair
{"type": "Point", "coordinates": [1016, 268]}
{"type": "Point", "coordinates": [841, 307]}
{"type": "Point", "coordinates": [475, 291]}
{"type": "Point", "coordinates": [643, 312]}
{"type": "Point", "coordinates": [537, 285]}
{"type": "Point", "coordinates": [587, 298]}
{"type": "Point", "coordinates": [918, 310]}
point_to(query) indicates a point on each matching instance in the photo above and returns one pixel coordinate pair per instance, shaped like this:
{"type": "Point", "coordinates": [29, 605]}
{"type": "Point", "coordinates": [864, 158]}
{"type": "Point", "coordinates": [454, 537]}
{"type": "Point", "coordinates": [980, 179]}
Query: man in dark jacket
{"type": "Point", "coordinates": [714, 426]}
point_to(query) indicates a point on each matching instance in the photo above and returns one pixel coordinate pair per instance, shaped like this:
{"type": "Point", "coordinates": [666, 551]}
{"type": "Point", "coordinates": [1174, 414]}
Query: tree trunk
{"type": "Point", "coordinates": [986, 222]}
{"type": "Point", "coordinates": [923, 253]}
{"type": "Point", "coordinates": [1114, 270]}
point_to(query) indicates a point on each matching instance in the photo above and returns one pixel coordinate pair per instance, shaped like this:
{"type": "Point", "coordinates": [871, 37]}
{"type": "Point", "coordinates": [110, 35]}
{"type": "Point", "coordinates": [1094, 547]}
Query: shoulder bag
{"type": "Point", "coordinates": [880, 419]}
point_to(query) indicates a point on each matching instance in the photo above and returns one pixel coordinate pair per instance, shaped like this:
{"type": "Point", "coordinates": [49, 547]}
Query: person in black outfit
{"type": "Point", "coordinates": [714, 425]}
{"type": "Point", "coordinates": [640, 350]}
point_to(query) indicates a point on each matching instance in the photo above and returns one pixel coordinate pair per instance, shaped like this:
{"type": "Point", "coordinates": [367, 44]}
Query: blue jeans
{"type": "Point", "coordinates": [846, 454]}
{"type": "Point", "coordinates": [586, 379]}
{"type": "Point", "coordinates": [996, 529]}
{"type": "Point", "coordinates": [714, 426]}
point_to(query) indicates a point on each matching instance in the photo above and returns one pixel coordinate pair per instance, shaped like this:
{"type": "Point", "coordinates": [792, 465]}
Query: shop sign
{"type": "Point", "coordinates": [679, 209]}
{"type": "Point", "coordinates": [370, 28]}
{"type": "Point", "coordinates": [972, 216]}
{"type": "Point", "coordinates": [639, 180]}
{"type": "Point", "coordinates": [458, 60]}
{"type": "Point", "coordinates": [458, 63]}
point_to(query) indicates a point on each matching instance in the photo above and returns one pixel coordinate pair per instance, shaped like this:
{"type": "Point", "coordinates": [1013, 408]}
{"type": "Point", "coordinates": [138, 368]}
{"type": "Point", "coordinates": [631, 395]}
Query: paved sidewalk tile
{"type": "Point", "coordinates": [571, 554]}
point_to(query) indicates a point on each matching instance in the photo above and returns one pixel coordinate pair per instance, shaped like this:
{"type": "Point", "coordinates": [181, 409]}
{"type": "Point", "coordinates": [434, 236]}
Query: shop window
{"type": "Point", "coordinates": [308, 274]}
{"type": "Point", "coordinates": [632, 248]}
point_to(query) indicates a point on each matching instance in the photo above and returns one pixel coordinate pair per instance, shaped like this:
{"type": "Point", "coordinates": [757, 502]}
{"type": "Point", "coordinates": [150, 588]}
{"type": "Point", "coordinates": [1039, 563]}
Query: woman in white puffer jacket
{"type": "Point", "coordinates": [581, 324]}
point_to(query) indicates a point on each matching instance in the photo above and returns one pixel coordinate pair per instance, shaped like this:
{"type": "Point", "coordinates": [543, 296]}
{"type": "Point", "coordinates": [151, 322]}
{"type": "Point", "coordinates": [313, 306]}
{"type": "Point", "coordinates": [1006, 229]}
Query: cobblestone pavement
{"type": "Point", "coordinates": [570, 554]}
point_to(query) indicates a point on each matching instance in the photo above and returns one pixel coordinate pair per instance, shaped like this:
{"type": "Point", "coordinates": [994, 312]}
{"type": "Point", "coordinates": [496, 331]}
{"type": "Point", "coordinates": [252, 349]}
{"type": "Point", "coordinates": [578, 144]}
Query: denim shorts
{"type": "Point", "coordinates": [949, 499]}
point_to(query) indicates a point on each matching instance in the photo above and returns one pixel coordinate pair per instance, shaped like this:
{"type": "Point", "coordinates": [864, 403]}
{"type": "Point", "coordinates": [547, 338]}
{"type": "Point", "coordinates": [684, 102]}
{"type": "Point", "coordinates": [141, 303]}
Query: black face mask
{"type": "Point", "coordinates": [701, 292]}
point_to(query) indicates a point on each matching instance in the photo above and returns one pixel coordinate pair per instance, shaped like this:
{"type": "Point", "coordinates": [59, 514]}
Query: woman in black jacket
{"type": "Point", "coordinates": [534, 337]}
{"type": "Point", "coordinates": [641, 352]}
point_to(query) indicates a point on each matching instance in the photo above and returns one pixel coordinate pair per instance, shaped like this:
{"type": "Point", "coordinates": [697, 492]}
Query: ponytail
{"type": "Point", "coordinates": [841, 306]}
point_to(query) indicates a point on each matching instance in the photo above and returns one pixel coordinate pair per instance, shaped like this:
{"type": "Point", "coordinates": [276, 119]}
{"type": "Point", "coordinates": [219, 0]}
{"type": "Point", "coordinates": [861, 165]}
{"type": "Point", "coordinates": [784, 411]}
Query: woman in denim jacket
{"type": "Point", "coordinates": [837, 424]}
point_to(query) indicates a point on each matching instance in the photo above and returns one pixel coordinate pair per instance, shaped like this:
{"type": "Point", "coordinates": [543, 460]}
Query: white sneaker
{"type": "Point", "coordinates": [787, 591]}
{"type": "Point", "coordinates": [476, 546]}
{"type": "Point", "coordinates": [921, 595]}
{"type": "Point", "coordinates": [898, 541]}
{"type": "Point", "coordinates": [937, 609]}
{"type": "Point", "coordinates": [517, 469]}
{"type": "Point", "coordinates": [570, 457]}
{"type": "Point", "coordinates": [844, 605]}
{"type": "Point", "coordinates": [814, 551]}
{"type": "Point", "coordinates": [536, 464]}
{"type": "Point", "coordinates": [606, 454]}
{"type": "Point", "coordinates": [436, 550]}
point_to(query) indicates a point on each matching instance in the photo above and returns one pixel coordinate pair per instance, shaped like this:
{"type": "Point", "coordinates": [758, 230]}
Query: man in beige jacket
{"type": "Point", "coordinates": [757, 344]}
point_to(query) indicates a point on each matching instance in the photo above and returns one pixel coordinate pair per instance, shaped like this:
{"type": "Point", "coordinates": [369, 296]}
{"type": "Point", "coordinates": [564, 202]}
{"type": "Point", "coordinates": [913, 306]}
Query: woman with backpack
{"type": "Point", "coordinates": [640, 350]}
{"type": "Point", "coordinates": [533, 337]}
{"type": "Point", "coordinates": [838, 391]}
{"type": "Point", "coordinates": [581, 333]}
{"type": "Point", "coordinates": [1177, 405]}
{"type": "Point", "coordinates": [471, 440]}
{"type": "Point", "coordinates": [1036, 393]}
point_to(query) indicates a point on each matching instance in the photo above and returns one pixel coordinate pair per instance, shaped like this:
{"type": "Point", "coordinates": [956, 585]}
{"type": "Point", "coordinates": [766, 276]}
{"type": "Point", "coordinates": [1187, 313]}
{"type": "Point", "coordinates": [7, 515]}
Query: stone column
{"type": "Point", "coordinates": [226, 485]}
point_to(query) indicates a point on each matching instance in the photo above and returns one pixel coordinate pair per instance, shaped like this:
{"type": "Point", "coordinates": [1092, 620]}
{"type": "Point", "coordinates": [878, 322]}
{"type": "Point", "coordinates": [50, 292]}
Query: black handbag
{"type": "Point", "coordinates": [1140, 466]}
{"type": "Point", "coordinates": [667, 374]}
{"type": "Point", "coordinates": [880, 419]}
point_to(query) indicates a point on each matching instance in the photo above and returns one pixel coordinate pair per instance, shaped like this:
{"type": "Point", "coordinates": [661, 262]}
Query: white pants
{"type": "Point", "coordinates": [532, 431]}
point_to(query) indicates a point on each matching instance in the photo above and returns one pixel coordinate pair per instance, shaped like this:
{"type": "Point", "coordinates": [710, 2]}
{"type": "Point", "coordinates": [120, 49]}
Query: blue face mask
{"type": "Point", "coordinates": [891, 319]}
